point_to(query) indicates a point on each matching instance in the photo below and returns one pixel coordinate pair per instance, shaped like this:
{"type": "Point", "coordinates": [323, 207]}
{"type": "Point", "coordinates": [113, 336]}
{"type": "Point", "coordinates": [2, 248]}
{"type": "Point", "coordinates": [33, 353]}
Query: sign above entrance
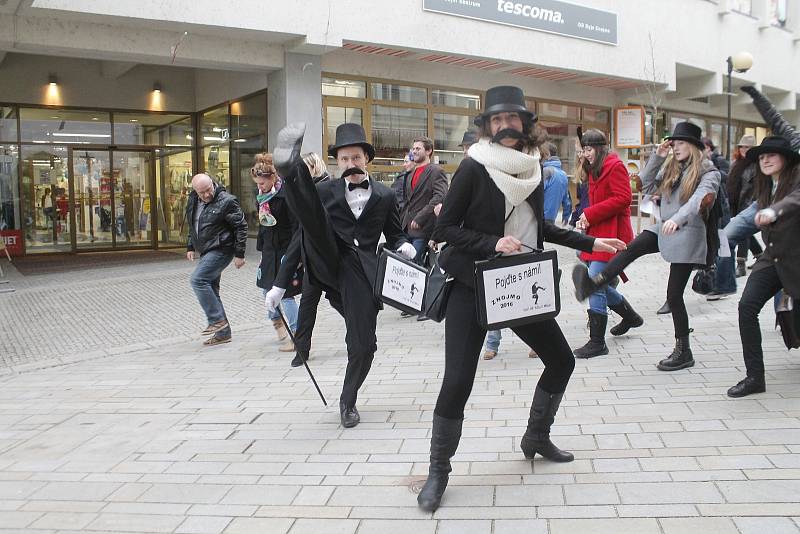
{"type": "Point", "coordinates": [550, 16]}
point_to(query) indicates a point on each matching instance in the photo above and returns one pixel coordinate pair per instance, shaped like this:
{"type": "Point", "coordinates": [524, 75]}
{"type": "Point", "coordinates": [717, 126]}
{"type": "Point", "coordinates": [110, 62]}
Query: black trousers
{"type": "Point", "coordinates": [752, 245]}
{"type": "Point", "coordinates": [679, 273]}
{"type": "Point", "coordinates": [307, 315]}
{"type": "Point", "coordinates": [340, 269]}
{"type": "Point", "coordinates": [762, 284]}
{"type": "Point", "coordinates": [463, 338]}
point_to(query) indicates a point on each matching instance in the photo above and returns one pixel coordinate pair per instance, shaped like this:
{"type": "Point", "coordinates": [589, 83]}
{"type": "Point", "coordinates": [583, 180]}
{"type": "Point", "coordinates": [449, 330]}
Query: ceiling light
{"type": "Point", "coordinates": [52, 80]}
{"type": "Point", "coordinates": [156, 87]}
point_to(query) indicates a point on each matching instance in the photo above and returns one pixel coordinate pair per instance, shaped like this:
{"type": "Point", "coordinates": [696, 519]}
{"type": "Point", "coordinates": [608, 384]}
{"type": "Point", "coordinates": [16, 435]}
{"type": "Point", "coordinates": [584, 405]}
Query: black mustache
{"type": "Point", "coordinates": [353, 170]}
{"type": "Point", "coordinates": [508, 133]}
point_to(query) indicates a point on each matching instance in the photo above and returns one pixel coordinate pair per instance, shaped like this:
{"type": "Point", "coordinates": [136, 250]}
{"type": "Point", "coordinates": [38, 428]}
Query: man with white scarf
{"type": "Point", "coordinates": [496, 205]}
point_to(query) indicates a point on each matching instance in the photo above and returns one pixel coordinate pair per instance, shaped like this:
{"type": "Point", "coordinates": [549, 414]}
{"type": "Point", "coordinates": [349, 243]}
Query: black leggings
{"type": "Point", "coordinates": [752, 245]}
{"type": "Point", "coordinates": [679, 273]}
{"type": "Point", "coordinates": [761, 286]}
{"type": "Point", "coordinates": [463, 340]}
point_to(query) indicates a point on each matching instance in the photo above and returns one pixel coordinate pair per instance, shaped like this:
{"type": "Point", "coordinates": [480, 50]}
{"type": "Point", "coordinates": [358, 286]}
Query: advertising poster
{"type": "Point", "coordinates": [519, 291]}
{"type": "Point", "coordinates": [403, 284]}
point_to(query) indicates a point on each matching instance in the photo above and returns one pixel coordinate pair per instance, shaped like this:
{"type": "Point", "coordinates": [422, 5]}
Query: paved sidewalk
{"type": "Point", "coordinates": [184, 439]}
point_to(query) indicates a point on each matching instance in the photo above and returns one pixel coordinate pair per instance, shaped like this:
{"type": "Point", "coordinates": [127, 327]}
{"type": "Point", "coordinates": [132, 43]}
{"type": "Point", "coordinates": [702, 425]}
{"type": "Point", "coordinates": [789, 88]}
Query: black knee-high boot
{"type": "Point", "coordinates": [537, 436]}
{"type": "Point", "coordinates": [596, 346]}
{"type": "Point", "coordinates": [444, 442]}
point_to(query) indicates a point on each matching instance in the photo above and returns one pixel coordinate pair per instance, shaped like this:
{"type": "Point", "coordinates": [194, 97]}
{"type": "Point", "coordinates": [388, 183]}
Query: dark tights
{"type": "Point", "coordinates": [463, 338]}
{"type": "Point", "coordinates": [679, 273]}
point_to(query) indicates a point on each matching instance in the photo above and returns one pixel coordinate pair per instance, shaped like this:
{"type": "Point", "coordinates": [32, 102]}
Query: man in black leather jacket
{"type": "Point", "coordinates": [218, 235]}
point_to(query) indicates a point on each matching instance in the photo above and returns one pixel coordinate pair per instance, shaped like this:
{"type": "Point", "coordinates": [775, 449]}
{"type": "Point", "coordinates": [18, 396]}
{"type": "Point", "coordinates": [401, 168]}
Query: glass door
{"type": "Point", "coordinates": [93, 190]}
{"type": "Point", "coordinates": [134, 213]}
{"type": "Point", "coordinates": [112, 198]}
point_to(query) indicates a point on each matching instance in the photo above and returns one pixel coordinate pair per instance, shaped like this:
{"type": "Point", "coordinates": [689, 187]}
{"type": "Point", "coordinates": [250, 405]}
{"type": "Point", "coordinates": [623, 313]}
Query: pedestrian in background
{"type": "Point", "coordinates": [276, 226]}
{"type": "Point", "coordinates": [217, 235]}
{"type": "Point", "coordinates": [556, 186]}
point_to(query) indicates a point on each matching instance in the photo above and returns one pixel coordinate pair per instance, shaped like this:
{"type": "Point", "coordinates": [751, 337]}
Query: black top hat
{"type": "Point", "coordinates": [505, 98]}
{"type": "Point", "coordinates": [351, 134]}
{"type": "Point", "coordinates": [774, 144]}
{"type": "Point", "coordinates": [470, 138]}
{"type": "Point", "coordinates": [686, 131]}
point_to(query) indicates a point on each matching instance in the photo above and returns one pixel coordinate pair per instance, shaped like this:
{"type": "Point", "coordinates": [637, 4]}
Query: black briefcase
{"type": "Point", "coordinates": [400, 283]}
{"type": "Point", "coordinates": [518, 289]}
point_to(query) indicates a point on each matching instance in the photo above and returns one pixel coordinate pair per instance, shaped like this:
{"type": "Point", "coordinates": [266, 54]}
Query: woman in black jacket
{"type": "Point", "coordinates": [495, 204]}
{"type": "Point", "coordinates": [276, 225]}
{"type": "Point", "coordinates": [777, 193]}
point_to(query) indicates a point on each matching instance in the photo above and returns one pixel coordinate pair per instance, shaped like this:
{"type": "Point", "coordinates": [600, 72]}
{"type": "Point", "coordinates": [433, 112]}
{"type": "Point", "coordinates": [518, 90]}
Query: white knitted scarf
{"type": "Point", "coordinates": [516, 174]}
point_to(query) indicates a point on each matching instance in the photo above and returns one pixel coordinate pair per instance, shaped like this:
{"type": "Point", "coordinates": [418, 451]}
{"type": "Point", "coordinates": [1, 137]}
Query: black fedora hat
{"type": "Point", "coordinates": [686, 131]}
{"type": "Point", "coordinates": [351, 134]}
{"type": "Point", "coordinates": [470, 138]}
{"type": "Point", "coordinates": [774, 144]}
{"type": "Point", "coordinates": [505, 98]}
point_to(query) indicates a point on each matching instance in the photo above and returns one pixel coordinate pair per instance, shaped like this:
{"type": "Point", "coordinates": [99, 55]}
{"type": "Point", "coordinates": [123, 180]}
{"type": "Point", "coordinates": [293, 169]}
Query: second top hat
{"type": "Point", "coordinates": [351, 134]}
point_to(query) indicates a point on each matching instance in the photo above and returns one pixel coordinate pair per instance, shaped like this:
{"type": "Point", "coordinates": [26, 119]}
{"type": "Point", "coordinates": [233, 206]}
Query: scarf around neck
{"type": "Point", "coordinates": [516, 174]}
{"type": "Point", "coordinates": [265, 217]}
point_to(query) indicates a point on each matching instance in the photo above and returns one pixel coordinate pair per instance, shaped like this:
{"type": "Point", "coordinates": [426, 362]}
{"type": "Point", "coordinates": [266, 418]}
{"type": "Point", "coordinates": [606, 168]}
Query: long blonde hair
{"type": "Point", "coordinates": [673, 168]}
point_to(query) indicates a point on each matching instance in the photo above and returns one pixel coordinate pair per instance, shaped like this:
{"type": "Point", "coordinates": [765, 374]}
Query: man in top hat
{"type": "Point", "coordinates": [470, 138]}
{"type": "Point", "coordinates": [342, 221]}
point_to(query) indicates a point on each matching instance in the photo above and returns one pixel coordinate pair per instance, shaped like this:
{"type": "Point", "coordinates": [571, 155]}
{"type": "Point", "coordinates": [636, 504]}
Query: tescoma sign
{"type": "Point", "coordinates": [550, 16]}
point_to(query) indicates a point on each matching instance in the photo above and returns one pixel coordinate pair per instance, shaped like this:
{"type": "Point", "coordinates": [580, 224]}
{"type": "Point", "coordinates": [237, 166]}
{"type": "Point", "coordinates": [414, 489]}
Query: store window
{"type": "Point", "coordinates": [45, 198]}
{"type": "Point", "coordinates": [393, 130]}
{"type": "Point", "coordinates": [777, 13]}
{"type": "Point", "coordinates": [159, 129]}
{"type": "Point", "coordinates": [596, 115]}
{"type": "Point", "coordinates": [448, 131]}
{"type": "Point", "coordinates": [249, 133]}
{"type": "Point", "coordinates": [456, 99]}
{"type": "Point", "coordinates": [405, 94]}
{"type": "Point", "coordinates": [8, 124]}
{"type": "Point", "coordinates": [214, 136]}
{"type": "Point", "coordinates": [345, 88]}
{"type": "Point", "coordinates": [9, 187]}
{"type": "Point", "coordinates": [48, 125]}
{"type": "Point", "coordinates": [558, 111]}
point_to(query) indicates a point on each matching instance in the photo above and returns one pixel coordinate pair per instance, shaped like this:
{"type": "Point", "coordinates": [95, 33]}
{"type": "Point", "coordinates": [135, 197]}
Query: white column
{"type": "Point", "coordinates": [295, 94]}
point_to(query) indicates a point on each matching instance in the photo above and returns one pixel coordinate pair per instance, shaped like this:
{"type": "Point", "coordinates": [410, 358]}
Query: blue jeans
{"type": "Point", "coordinates": [290, 308]}
{"type": "Point", "coordinates": [600, 300]}
{"type": "Point", "coordinates": [205, 283]}
{"type": "Point", "coordinates": [737, 231]}
{"type": "Point", "coordinates": [493, 338]}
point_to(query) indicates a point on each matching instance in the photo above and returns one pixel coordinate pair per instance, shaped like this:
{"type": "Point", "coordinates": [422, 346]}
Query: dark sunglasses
{"type": "Point", "coordinates": [263, 173]}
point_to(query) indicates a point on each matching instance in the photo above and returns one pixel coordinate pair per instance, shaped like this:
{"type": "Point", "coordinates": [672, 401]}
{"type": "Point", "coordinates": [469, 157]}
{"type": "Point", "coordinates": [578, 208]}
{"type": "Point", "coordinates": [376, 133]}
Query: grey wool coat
{"type": "Point", "coordinates": [688, 243]}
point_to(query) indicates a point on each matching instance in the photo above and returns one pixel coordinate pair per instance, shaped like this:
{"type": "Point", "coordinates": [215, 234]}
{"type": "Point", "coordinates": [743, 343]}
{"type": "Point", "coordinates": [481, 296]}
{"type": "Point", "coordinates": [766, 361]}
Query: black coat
{"type": "Point", "coordinates": [782, 240]}
{"type": "Point", "coordinates": [273, 241]}
{"type": "Point", "coordinates": [360, 235]}
{"type": "Point", "coordinates": [472, 220]}
{"type": "Point", "coordinates": [419, 202]}
{"type": "Point", "coordinates": [222, 224]}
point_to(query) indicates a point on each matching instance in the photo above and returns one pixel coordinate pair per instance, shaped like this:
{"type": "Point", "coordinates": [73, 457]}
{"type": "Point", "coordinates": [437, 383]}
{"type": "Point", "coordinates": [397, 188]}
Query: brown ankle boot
{"type": "Point", "coordinates": [280, 330]}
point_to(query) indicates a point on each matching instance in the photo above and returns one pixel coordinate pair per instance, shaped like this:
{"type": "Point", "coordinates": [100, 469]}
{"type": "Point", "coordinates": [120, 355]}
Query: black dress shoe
{"type": "Point", "coordinates": [748, 386]}
{"type": "Point", "coordinates": [299, 358]}
{"type": "Point", "coordinates": [350, 416]}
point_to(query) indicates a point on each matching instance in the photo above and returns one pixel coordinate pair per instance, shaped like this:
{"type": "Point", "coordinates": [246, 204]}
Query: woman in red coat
{"type": "Point", "coordinates": [608, 215]}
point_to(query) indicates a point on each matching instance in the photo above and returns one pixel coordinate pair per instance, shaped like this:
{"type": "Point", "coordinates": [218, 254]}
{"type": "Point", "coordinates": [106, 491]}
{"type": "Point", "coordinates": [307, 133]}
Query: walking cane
{"type": "Point", "coordinates": [305, 364]}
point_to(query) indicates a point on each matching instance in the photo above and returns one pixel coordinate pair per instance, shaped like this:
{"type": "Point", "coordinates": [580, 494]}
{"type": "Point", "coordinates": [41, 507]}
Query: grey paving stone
{"type": "Point", "coordinates": [314, 526]}
{"type": "Point", "coordinates": [248, 525]}
{"type": "Point", "coordinates": [605, 526]}
{"type": "Point", "coordinates": [760, 525]}
{"type": "Point", "coordinates": [519, 526]}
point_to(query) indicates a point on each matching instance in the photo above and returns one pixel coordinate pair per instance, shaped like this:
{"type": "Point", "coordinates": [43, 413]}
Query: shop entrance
{"type": "Point", "coordinates": [113, 197]}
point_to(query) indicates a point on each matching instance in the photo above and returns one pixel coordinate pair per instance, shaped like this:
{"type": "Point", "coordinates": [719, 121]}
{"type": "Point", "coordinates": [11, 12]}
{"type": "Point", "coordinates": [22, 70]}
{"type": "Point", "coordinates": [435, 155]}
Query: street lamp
{"type": "Point", "coordinates": [741, 62]}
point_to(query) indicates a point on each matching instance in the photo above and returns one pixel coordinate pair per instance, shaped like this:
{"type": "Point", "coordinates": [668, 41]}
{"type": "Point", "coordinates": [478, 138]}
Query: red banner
{"type": "Point", "coordinates": [13, 241]}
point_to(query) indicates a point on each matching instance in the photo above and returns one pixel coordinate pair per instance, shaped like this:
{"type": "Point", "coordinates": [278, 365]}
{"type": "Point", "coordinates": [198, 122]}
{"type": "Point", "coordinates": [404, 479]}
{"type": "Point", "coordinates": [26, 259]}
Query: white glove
{"type": "Point", "coordinates": [408, 251]}
{"type": "Point", "coordinates": [273, 298]}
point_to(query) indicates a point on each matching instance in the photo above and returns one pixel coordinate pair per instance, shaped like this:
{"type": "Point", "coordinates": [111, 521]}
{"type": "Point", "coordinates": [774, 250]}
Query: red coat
{"type": "Point", "coordinates": [609, 211]}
